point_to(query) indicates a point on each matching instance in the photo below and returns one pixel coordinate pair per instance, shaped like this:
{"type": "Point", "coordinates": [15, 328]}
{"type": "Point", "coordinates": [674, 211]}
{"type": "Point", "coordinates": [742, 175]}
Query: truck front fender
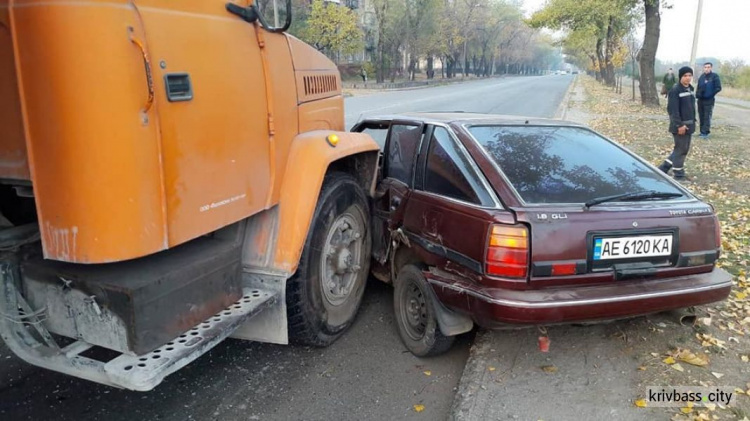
{"type": "Point", "coordinates": [311, 156]}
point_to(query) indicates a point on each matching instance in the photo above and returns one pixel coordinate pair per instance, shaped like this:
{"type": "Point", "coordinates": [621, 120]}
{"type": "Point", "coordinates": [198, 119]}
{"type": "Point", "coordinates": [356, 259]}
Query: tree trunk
{"type": "Point", "coordinates": [594, 65]}
{"type": "Point", "coordinates": [600, 59]}
{"type": "Point", "coordinates": [647, 55]}
{"type": "Point", "coordinates": [610, 51]}
{"type": "Point", "coordinates": [412, 67]}
{"type": "Point", "coordinates": [380, 72]}
{"type": "Point", "coordinates": [593, 61]}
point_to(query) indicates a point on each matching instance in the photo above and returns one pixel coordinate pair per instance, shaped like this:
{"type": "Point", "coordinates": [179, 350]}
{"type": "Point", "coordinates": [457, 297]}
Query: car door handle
{"type": "Point", "coordinates": [395, 202]}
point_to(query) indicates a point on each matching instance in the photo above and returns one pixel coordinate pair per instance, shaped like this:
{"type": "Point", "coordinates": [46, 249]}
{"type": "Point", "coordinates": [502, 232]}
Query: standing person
{"type": "Point", "coordinates": [363, 73]}
{"type": "Point", "coordinates": [681, 108]}
{"type": "Point", "coordinates": [669, 81]}
{"type": "Point", "coordinates": [709, 84]}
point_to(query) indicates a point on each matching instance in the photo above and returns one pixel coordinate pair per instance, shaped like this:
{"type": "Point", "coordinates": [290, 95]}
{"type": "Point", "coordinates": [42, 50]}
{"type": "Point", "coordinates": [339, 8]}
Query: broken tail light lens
{"type": "Point", "coordinates": [508, 251]}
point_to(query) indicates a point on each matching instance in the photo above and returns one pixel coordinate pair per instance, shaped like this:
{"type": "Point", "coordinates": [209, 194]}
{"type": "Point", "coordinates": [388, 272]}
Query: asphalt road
{"type": "Point", "coordinates": [532, 96]}
{"type": "Point", "coordinates": [366, 375]}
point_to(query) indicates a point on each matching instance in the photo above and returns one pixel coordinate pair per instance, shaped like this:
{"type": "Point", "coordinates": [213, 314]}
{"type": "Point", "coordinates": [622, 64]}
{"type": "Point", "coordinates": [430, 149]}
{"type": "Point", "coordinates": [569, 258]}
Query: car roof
{"type": "Point", "coordinates": [470, 118]}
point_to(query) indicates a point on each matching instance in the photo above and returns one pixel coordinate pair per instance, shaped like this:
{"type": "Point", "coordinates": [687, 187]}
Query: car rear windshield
{"type": "Point", "coordinates": [565, 164]}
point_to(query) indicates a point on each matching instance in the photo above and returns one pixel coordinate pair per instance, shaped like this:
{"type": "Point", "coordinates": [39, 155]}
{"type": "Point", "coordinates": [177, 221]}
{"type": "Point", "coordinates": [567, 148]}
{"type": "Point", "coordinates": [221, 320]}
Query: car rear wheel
{"type": "Point", "coordinates": [325, 293]}
{"type": "Point", "coordinates": [415, 315]}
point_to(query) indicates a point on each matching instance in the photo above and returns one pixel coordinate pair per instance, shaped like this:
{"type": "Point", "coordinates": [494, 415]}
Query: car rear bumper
{"type": "Point", "coordinates": [496, 306]}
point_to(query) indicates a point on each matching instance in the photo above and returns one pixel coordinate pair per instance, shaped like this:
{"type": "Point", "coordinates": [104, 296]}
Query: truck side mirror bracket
{"type": "Point", "coordinates": [248, 14]}
{"type": "Point", "coordinates": [251, 14]}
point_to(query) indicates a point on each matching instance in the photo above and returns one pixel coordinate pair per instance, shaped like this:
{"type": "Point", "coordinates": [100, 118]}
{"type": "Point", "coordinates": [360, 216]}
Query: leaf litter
{"type": "Point", "coordinates": [720, 176]}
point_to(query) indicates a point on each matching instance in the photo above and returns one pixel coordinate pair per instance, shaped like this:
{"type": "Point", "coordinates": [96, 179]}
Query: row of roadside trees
{"type": "Point", "coordinates": [600, 36]}
{"type": "Point", "coordinates": [404, 37]}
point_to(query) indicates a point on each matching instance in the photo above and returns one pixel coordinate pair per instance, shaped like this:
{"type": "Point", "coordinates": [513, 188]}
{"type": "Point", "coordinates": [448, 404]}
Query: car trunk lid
{"type": "Point", "coordinates": [601, 244]}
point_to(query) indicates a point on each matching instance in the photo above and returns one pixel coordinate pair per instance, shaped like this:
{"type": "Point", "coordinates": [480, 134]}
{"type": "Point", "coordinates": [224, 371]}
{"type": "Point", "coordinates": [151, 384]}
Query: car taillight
{"type": "Point", "coordinates": [508, 251]}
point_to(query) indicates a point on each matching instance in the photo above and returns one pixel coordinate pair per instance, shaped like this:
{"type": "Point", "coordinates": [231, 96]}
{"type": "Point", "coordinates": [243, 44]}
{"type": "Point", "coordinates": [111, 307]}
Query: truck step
{"type": "Point", "coordinates": [144, 372]}
{"type": "Point", "coordinates": [139, 373]}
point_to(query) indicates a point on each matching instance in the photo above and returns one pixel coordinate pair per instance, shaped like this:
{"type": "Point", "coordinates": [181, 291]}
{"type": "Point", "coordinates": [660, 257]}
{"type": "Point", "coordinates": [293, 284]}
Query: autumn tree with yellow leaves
{"type": "Point", "coordinates": [332, 29]}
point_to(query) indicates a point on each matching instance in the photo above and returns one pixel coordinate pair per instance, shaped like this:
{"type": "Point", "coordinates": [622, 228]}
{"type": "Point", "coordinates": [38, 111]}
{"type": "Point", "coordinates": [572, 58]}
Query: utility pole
{"type": "Point", "coordinates": [695, 33]}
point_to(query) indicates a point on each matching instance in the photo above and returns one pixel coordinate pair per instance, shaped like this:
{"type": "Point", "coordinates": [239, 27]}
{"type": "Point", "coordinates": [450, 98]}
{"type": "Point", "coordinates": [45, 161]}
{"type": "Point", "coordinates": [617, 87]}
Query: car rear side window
{"type": "Point", "coordinates": [565, 164]}
{"type": "Point", "coordinates": [448, 172]}
{"type": "Point", "coordinates": [402, 145]}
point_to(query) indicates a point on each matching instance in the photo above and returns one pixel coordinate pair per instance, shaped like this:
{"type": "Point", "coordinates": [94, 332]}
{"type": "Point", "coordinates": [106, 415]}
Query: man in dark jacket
{"type": "Point", "coordinates": [709, 84]}
{"type": "Point", "coordinates": [681, 108]}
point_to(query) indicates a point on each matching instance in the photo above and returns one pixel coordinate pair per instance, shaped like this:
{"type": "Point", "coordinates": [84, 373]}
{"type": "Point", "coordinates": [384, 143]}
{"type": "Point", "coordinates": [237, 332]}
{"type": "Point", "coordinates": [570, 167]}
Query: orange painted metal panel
{"type": "Point", "coordinates": [308, 58]}
{"type": "Point", "coordinates": [215, 147]}
{"type": "Point", "coordinates": [94, 162]}
{"type": "Point", "coordinates": [309, 159]}
{"type": "Point", "coordinates": [323, 114]}
{"type": "Point", "coordinates": [284, 104]}
{"type": "Point", "coordinates": [13, 163]}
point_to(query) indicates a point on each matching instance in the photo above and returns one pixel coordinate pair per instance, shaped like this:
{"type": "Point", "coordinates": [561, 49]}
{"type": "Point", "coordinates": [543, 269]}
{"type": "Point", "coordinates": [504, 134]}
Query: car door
{"type": "Point", "coordinates": [451, 206]}
{"type": "Point", "coordinates": [400, 153]}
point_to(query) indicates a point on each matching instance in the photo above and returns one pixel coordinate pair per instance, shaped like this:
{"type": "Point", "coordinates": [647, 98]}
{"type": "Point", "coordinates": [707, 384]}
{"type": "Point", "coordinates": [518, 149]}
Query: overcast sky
{"type": "Point", "coordinates": [724, 31]}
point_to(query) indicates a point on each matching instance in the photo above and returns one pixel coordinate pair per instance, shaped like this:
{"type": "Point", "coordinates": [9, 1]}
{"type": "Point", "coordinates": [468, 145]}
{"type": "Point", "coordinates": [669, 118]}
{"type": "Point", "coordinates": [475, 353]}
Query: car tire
{"type": "Point", "coordinates": [415, 315]}
{"type": "Point", "coordinates": [324, 294]}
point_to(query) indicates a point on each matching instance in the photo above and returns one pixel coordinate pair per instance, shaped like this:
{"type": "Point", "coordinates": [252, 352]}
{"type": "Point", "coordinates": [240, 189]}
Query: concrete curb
{"type": "Point", "coordinates": [562, 110]}
{"type": "Point", "coordinates": [465, 401]}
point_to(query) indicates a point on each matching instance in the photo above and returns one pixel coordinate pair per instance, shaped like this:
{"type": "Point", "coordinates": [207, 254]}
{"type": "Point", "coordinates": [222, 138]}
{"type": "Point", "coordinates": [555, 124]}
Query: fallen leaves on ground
{"type": "Point", "coordinates": [709, 340]}
{"type": "Point", "coordinates": [641, 403]}
{"type": "Point", "coordinates": [687, 409]}
{"type": "Point", "coordinates": [720, 176]}
{"type": "Point", "coordinates": [418, 408]}
{"type": "Point", "coordinates": [690, 357]}
{"type": "Point", "coordinates": [549, 369]}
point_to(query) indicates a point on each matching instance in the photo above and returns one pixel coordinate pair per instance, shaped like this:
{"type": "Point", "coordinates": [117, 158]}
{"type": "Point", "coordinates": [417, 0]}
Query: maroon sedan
{"type": "Point", "coordinates": [501, 220]}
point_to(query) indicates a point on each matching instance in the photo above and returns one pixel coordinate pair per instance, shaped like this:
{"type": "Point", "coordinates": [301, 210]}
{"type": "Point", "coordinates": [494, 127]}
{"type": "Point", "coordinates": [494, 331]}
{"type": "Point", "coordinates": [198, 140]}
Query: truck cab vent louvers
{"type": "Point", "coordinates": [316, 85]}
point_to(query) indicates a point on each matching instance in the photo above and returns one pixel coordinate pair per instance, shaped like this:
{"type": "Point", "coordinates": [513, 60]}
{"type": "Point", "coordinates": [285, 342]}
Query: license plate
{"type": "Point", "coordinates": [632, 247]}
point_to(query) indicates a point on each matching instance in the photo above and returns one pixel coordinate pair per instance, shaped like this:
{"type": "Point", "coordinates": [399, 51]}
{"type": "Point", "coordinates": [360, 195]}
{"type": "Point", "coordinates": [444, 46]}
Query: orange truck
{"type": "Point", "coordinates": [172, 173]}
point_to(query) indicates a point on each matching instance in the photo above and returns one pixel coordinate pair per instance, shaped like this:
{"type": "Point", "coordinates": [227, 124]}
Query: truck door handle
{"type": "Point", "coordinates": [147, 64]}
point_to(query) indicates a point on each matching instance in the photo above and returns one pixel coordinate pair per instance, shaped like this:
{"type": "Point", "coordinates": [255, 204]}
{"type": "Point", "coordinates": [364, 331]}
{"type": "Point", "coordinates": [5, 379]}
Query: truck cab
{"type": "Point", "coordinates": [172, 173]}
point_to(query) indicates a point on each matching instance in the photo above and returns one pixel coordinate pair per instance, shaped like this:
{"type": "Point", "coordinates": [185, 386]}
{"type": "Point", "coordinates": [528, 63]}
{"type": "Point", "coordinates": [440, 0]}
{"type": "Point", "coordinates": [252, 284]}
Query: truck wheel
{"type": "Point", "coordinates": [324, 294]}
{"type": "Point", "coordinates": [415, 315]}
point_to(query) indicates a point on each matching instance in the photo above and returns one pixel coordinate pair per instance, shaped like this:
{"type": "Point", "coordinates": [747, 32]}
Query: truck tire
{"type": "Point", "coordinates": [415, 315]}
{"type": "Point", "coordinates": [325, 293]}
